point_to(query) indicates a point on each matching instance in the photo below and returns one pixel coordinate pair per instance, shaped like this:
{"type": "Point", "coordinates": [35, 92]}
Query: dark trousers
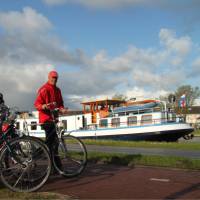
{"type": "Point", "coordinates": [52, 140]}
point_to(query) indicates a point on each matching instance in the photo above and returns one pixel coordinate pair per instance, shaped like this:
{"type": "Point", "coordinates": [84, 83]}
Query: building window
{"type": "Point", "coordinates": [103, 123]}
{"type": "Point", "coordinates": [64, 124]}
{"type": "Point", "coordinates": [33, 126]}
{"type": "Point", "coordinates": [146, 119]}
{"type": "Point", "coordinates": [132, 121]}
{"type": "Point", "coordinates": [115, 122]}
{"type": "Point", "coordinates": [17, 125]}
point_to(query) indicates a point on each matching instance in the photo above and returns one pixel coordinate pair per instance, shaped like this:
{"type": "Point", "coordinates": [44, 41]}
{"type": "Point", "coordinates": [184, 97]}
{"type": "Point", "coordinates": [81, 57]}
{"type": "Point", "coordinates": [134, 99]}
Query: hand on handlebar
{"type": "Point", "coordinates": [52, 107]}
{"type": "Point", "coordinates": [48, 106]}
{"type": "Point", "coordinates": [45, 107]}
{"type": "Point", "coordinates": [63, 110]}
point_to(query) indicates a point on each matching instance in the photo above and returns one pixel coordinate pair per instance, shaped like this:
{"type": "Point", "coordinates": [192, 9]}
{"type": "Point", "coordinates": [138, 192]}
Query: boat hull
{"type": "Point", "coordinates": [168, 133]}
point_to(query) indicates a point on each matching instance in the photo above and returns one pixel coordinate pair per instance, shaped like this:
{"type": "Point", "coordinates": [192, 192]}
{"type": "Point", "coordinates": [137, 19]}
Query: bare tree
{"type": "Point", "coordinates": [190, 94]}
{"type": "Point", "coordinates": [120, 97]}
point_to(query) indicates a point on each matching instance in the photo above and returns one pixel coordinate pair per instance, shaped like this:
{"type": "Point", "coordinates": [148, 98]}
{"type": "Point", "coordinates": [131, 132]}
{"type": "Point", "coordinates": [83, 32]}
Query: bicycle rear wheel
{"type": "Point", "coordinates": [72, 156]}
{"type": "Point", "coordinates": [25, 165]}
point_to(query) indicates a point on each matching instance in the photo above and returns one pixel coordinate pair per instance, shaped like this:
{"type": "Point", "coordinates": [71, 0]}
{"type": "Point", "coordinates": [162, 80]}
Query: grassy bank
{"type": "Point", "coordinates": [196, 132]}
{"type": "Point", "coordinates": [7, 194]}
{"type": "Point", "coordinates": [132, 160]}
{"type": "Point", "coordinates": [144, 144]}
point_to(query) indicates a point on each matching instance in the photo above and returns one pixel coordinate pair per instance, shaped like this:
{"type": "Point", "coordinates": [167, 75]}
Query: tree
{"type": "Point", "coordinates": [190, 94]}
{"type": "Point", "coordinates": [173, 99]}
{"type": "Point", "coordinates": [120, 97]}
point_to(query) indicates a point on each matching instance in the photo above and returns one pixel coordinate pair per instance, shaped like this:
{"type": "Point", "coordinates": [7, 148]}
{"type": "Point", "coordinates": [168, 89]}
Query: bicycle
{"type": "Point", "coordinates": [25, 163]}
{"type": "Point", "coordinates": [71, 150]}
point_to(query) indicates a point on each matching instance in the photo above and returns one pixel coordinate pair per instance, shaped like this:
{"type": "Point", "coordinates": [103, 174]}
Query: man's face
{"type": "Point", "coordinates": [52, 80]}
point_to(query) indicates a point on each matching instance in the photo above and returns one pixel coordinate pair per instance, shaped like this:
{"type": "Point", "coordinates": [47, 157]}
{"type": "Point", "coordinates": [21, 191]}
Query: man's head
{"type": "Point", "coordinates": [52, 77]}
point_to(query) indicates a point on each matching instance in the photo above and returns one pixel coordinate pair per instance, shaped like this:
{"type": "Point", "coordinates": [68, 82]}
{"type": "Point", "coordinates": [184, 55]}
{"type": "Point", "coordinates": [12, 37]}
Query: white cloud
{"type": "Point", "coordinates": [20, 83]}
{"type": "Point", "coordinates": [140, 93]}
{"type": "Point", "coordinates": [180, 45]}
{"type": "Point", "coordinates": [195, 68]}
{"type": "Point", "coordinates": [27, 20]}
{"type": "Point", "coordinates": [27, 49]}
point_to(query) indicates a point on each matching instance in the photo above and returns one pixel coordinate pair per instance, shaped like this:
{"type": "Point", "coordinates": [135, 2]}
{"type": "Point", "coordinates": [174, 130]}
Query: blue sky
{"type": "Point", "coordinates": [139, 48]}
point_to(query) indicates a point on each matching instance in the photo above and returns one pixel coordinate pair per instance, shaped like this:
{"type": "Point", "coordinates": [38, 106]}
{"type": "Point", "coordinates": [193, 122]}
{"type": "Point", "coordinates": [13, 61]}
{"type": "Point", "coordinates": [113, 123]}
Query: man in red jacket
{"type": "Point", "coordinates": [48, 98]}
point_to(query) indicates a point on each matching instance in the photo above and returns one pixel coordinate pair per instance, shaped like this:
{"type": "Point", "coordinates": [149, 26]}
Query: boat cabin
{"type": "Point", "coordinates": [101, 107]}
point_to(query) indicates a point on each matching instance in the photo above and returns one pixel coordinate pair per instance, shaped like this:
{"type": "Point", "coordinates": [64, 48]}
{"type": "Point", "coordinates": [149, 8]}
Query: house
{"type": "Point", "coordinates": [193, 116]}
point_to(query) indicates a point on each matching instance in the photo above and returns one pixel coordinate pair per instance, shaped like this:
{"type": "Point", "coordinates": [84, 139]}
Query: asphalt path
{"type": "Point", "coordinates": [101, 181]}
{"type": "Point", "coordinates": [145, 151]}
{"type": "Point", "coordinates": [194, 139]}
{"type": "Point", "coordinates": [195, 154]}
{"type": "Point", "coordinates": [117, 182]}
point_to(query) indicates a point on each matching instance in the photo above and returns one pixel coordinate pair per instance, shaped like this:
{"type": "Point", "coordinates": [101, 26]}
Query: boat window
{"type": "Point", "coordinates": [145, 111]}
{"type": "Point", "coordinates": [146, 119]}
{"type": "Point", "coordinates": [17, 125]}
{"type": "Point", "coordinates": [171, 117]}
{"type": "Point", "coordinates": [174, 117]}
{"type": "Point", "coordinates": [163, 117]}
{"type": "Point", "coordinates": [132, 121]}
{"type": "Point", "coordinates": [64, 123]}
{"type": "Point", "coordinates": [156, 109]}
{"type": "Point", "coordinates": [84, 121]}
{"type": "Point", "coordinates": [103, 123]}
{"type": "Point", "coordinates": [34, 125]}
{"type": "Point", "coordinates": [135, 112]}
{"type": "Point", "coordinates": [121, 114]}
{"type": "Point", "coordinates": [115, 122]}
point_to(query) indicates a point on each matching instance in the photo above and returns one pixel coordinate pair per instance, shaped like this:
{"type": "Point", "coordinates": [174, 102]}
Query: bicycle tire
{"type": "Point", "coordinates": [24, 160]}
{"type": "Point", "coordinates": [72, 154]}
{"type": "Point", "coordinates": [42, 142]}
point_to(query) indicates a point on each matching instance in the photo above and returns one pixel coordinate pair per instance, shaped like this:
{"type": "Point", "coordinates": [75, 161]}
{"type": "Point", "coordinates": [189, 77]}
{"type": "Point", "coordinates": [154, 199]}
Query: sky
{"type": "Point", "coordinates": [100, 48]}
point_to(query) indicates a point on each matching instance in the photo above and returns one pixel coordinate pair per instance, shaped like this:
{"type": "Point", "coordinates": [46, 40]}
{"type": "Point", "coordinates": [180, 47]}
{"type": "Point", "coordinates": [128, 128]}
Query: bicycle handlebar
{"type": "Point", "coordinates": [55, 109]}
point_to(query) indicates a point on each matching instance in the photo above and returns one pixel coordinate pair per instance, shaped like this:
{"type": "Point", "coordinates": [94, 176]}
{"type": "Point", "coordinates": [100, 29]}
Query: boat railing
{"type": "Point", "coordinates": [137, 111]}
{"type": "Point", "coordinates": [104, 123]}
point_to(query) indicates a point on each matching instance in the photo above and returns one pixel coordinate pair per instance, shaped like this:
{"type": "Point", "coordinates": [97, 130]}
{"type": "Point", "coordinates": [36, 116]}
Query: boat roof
{"type": "Point", "coordinates": [135, 107]}
{"type": "Point", "coordinates": [104, 101]}
{"type": "Point", "coordinates": [145, 101]}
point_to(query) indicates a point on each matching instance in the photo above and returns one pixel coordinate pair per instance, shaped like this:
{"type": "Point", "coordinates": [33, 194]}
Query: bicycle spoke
{"type": "Point", "coordinates": [73, 156]}
{"type": "Point", "coordinates": [25, 173]}
{"type": "Point", "coordinates": [18, 179]}
{"type": "Point", "coordinates": [76, 161]}
{"type": "Point", "coordinates": [10, 168]}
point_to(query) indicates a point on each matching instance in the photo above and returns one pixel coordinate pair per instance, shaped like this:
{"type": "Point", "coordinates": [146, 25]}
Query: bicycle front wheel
{"type": "Point", "coordinates": [71, 159]}
{"type": "Point", "coordinates": [25, 165]}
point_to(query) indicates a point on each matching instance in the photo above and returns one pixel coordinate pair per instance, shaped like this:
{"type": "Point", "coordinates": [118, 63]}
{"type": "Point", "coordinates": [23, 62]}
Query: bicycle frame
{"type": "Point", "coordinates": [6, 142]}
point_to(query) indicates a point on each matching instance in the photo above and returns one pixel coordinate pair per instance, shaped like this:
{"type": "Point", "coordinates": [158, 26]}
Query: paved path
{"type": "Point", "coordinates": [114, 182]}
{"type": "Point", "coordinates": [145, 151]}
{"type": "Point", "coordinates": [194, 139]}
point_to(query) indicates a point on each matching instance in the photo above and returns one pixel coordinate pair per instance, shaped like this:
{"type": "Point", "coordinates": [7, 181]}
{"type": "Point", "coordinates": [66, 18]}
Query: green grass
{"type": "Point", "coordinates": [145, 144]}
{"type": "Point", "coordinates": [197, 132]}
{"type": "Point", "coordinates": [132, 160]}
{"type": "Point", "coordinates": [7, 194]}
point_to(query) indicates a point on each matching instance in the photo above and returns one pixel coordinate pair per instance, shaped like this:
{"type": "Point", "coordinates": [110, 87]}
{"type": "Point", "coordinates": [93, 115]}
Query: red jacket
{"type": "Point", "coordinates": [48, 94]}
